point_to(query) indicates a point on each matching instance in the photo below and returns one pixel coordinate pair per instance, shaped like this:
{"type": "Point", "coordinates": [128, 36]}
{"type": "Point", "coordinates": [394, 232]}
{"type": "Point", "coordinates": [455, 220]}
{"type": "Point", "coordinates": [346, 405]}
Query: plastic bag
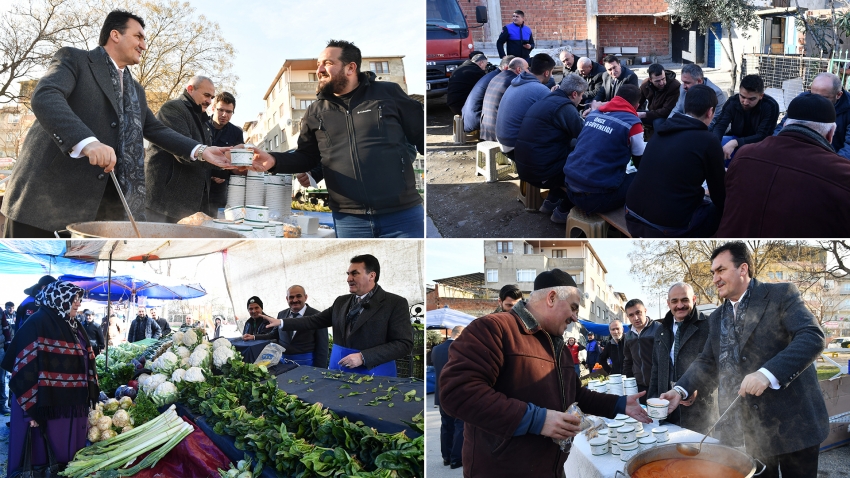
{"type": "Point", "coordinates": [271, 354]}
{"type": "Point", "coordinates": [589, 425]}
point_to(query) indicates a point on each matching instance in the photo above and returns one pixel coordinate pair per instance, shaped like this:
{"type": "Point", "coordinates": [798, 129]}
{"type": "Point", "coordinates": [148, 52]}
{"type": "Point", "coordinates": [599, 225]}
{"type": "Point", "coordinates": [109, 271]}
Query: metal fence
{"type": "Point", "coordinates": [786, 76]}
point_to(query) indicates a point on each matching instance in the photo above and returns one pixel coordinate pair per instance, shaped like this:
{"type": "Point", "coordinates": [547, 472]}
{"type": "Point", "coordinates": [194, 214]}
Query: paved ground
{"type": "Point", "coordinates": [461, 204]}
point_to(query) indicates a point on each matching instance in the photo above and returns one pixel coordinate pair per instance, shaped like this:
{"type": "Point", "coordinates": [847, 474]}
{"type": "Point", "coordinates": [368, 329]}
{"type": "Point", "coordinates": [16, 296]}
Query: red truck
{"type": "Point", "coordinates": [448, 42]}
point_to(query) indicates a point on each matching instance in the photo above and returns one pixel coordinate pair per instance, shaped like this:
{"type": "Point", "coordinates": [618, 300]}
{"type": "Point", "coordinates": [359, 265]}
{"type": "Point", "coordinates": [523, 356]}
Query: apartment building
{"type": "Point", "coordinates": [294, 88]}
{"type": "Point", "coordinates": [519, 262]}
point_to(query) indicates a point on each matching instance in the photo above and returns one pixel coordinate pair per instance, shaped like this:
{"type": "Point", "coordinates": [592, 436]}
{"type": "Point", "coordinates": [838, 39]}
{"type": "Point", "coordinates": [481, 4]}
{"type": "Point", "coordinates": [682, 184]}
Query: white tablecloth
{"type": "Point", "coordinates": [583, 464]}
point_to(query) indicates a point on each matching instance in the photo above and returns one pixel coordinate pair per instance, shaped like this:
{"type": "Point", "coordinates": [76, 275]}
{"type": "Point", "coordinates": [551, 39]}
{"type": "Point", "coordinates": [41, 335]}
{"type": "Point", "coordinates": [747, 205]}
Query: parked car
{"type": "Point", "coordinates": [839, 343]}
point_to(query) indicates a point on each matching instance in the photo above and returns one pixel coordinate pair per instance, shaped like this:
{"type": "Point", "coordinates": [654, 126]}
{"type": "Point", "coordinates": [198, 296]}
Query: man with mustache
{"type": "Point", "coordinates": [684, 331]}
{"type": "Point", "coordinates": [92, 117]}
{"type": "Point", "coordinates": [762, 345]}
{"type": "Point", "coordinates": [371, 327]}
{"type": "Point", "coordinates": [364, 134]}
{"type": "Point", "coordinates": [307, 347]}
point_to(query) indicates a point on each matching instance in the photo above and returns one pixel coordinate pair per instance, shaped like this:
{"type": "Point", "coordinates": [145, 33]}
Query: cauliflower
{"type": "Point", "coordinates": [184, 362]}
{"type": "Point", "coordinates": [152, 383]}
{"type": "Point", "coordinates": [194, 374]}
{"type": "Point", "coordinates": [220, 342]}
{"type": "Point", "coordinates": [177, 338]}
{"type": "Point", "coordinates": [104, 423]}
{"type": "Point", "coordinates": [177, 376]}
{"type": "Point", "coordinates": [166, 363]}
{"type": "Point", "coordinates": [125, 402]}
{"type": "Point", "coordinates": [183, 352]}
{"type": "Point", "coordinates": [94, 415]}
{"type": "Point", "coordinates": [221, 355]}
{"type": "Point", "coordinates": [190, 338]}
{"type": "Point", "coordinates": [199, 358]}
{"type": "Point", "coordinates": [121, 418]}
{"type": "Point", "coordinates": [142, 379]}
{"type": "Point", "coordinates": [165, 394]}
{"type": "Point", "coordinates": [111, 405]}
{"type": "Point", "coordinates": [94, 434]}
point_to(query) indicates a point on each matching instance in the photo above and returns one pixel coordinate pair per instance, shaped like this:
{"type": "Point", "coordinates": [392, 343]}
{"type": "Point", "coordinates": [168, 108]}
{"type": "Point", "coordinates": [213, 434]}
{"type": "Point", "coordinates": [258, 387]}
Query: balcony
{"type": "Point", "coordinates": [303, 87]}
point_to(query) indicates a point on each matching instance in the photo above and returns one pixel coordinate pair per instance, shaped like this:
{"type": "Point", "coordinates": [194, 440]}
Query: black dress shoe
{"type": "Point", "coordinates": [445, 462]}
{"type": "Point", "coordinates": [456, 465]}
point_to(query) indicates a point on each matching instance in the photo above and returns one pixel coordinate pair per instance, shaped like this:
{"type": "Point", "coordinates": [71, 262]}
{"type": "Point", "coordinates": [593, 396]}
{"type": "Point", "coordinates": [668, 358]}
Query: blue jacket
{"type": "Point", "coordinates": [598, 162]}
{"type": "Point", "coordinates": [524, 91]}
{"type": "Point", "coordinates": [475, 102]}
{"type": "Point", "coordinates": [545, 137]}
{"type": "Point", "coordinates": [842, 125]}
{"type": "Point", "coordinates": [515, 37]}
{"type": "Point", "coordinates": [492, 97]}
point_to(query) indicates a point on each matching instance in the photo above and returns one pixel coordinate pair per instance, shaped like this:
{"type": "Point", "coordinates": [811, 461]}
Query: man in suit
{"type": "Point", "coordinates": [307, 347]}
{"type": "Point", "coordinates": [762, 345]}
{"type": "Point", "coordinates": [89, 109]}
{"type": "Point", "coordinates": [451, 429]}
{"type": "Point", "coordinates": [371, 327]}
{"type": "Point", "coordinates": [684, 331]}
{"type": "Point", "coordinates": [615, 76]}
{"type": "Point", "coordinates": [178, 187]}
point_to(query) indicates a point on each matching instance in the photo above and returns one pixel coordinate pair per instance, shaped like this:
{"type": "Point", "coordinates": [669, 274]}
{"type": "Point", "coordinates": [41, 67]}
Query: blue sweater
{"type": "Point", "coordinates": [475, 102]}
{"type": "Point", "coordinates": [524, 91]}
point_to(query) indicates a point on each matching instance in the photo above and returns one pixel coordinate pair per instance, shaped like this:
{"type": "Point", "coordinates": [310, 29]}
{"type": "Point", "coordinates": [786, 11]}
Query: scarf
{"type": "Point", "coordinates": [809, 133]}
{"type": "Point", "coordinates": [731, 328]}
{"type": "Point", "coordinates": [130, 168]}
{"type": "Point", "coordinates": [355, 307]}
{"type": "Point", "coordinates": [47, 359]}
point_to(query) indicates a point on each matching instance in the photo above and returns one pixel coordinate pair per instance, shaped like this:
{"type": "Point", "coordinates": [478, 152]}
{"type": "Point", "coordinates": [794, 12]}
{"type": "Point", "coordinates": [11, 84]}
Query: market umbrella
{"type": "Point", "coordinates": [128, 287]}
{"type": "Point", "coordinates": [447, 318]}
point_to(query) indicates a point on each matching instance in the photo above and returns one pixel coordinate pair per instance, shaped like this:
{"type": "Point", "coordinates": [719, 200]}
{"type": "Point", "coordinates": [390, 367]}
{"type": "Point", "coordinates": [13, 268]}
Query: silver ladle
{"type": "Point", "coordinates": [124, 202]}
{"type": "Point", "coordinates": [688, 449]}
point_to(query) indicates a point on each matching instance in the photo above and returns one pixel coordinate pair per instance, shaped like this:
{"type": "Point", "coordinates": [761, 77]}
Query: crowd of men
{"type": "Point", "coordinates": [760, 344]}
{"type": "Point", "coordinates": [675, 155]}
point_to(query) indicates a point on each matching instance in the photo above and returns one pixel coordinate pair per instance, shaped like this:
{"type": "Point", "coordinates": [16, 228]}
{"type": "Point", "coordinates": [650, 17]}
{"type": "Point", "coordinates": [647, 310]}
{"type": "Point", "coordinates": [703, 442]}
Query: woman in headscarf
{"type": "Point", "coordinates": [54, 381]}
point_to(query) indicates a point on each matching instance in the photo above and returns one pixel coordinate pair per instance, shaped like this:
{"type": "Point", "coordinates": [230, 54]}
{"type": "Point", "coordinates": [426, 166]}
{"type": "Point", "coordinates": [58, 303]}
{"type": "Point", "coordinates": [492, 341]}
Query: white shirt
{"type": "Point", "coordinates": [296, 315]}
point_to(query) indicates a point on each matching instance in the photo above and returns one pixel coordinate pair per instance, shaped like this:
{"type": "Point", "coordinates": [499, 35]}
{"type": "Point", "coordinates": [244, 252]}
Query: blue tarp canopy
{"type": "Point", "coordinates": [127, 288]}
{"type": "Point", "coordinates": [600, 329]}
{"type": "Point", "coordinates": [447, 318]}
{"type": "Point", "coordinates": [39, 258]}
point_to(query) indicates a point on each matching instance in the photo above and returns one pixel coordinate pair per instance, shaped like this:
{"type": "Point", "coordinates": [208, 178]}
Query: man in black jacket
{"type": "Point", "coordinates": [750, 117]}
{"type": "Point", "coordinates": [224, 133]}
{"type": "Point", "coordinates": [257, 326]}
{"type": "Point", "coordinates": [569, 60]}
{"type": "Point", "coordinates": [363, 134]}
{"type": "Point", "coordinates": [93, 331]}
{"type": "Point", "coordinates": [592, 73]}
{"type": "Point", "coordinates": [178, 187]}
{"type": "Point", "coordinates": [613, 349]}
{"type": "Point", "coordinates": [161, 322]}
{"type": "Point", "coordinates": [638, 344]}
{"type": "Point", "coordinates": [451, 429]}
{"type": "Point", "coordinates": [307, 347]}
{"type": "Point", "coordinates": [615, 76]}
{"type": "Point", "coordinates": [463, 80]}
{"type": "Point", "coordinates": [143, 327]}
{"type": "Point", "coordinates": [684, 331]}
{"type": "Point", "coordinates": [667, 198]}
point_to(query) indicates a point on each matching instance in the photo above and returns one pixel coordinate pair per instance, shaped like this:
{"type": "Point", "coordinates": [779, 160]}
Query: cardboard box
{"type": "Point", "coordinates": [836, 395]}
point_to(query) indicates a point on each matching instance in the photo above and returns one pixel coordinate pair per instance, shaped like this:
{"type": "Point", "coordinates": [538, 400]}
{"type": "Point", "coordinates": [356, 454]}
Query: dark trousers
{"type": "Point", "coordinates": [704, 223]}
{"type": "Point", "coordinates": [642, 388]}
{"type": "Point", "coordinates": [451, 438]}
{"type": "Point", "coordinates": [602, 202]}
{"type": "Point", "coordinates": [556, 188]}
{"type": "Point", "coordinates": [799, 464]}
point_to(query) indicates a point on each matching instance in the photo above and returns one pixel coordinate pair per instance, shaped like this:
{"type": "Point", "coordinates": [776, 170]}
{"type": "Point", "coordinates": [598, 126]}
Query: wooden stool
{"type": "Point", "coordinates": [591, 225]}
{"type": "Point", "coordinates": [458, 134]}
{"type": "Point", "coordinates": [530, 196]}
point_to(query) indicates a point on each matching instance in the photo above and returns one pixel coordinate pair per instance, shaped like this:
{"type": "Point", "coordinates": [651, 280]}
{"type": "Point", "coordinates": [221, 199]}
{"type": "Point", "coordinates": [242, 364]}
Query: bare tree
{"type": "Point", "coordinates": [30, 33]}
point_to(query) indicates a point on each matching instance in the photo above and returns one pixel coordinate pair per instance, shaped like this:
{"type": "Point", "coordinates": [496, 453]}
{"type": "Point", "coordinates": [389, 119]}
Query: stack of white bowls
{"type": "Point", "coordinates": [279, 195]}
{"type": "Point", "coordinates": [236, 191]}
{"type": "Point", "coordinates": [615, 384]}
{"type": "Point", "coordinates": [630, 386]}
{"type": "Point", "coordinates": [255, 191]}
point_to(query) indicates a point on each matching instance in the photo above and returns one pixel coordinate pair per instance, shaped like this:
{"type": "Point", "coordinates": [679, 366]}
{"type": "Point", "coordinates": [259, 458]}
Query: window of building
{"type": "Point", "coordinates": [281, 110]}
{"type": "Point", "coordinates": [845, 288]}
{"type": "Point", "coordinates": [273, 95]}
{"type": "Point", "coordinates": [778, 274]}
{"type": "Point", "coordinates": [505, 247]}
{"type": "Point", "coordinates": [305, 103]}
{"type": "Point", "coordinates": [528, 248]}
{"type": "Point", "coordinates": [592, 284]}
{"type": "Point", "coordinates": [526, 275]}
{"type": "Point", "coordinates": [379, 66]}
{"type": "Point", "coordinates": [276, 141]}
{"type": "Point", "coordinates": [492, 275]}
{"type": "Point", "coordinates": [274, 118]}
{"type": "Point", "coordinates": [312, 77]}
{"type": "Point", "coordinates": [598, 311]}
{"type": "Point", "coordinates": [559, 253]}
{"type": "Point", "coordinates": [14, 119]}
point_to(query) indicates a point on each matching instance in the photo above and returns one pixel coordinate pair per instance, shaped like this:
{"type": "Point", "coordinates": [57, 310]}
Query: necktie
{"type": "Point", "coordinates": [676, 345]}
{"type": "Point", "coordinates": [735, 309]}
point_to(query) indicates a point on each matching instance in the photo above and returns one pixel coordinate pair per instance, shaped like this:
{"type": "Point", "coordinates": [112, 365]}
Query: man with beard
{"type": "Point", "coordinates": [365, 134]}
{"type": "Point", "coordinates": [762, 345]}
{"type": "Point", "coordinates": [257, 327]}
{"type": "Point", "coordinates": [684, 331]}
{"type": "Point", "coordinates": [161, 322]}
{"type": "Point", "coordinates": [306, 347]}
{"type": "Point", "coordinates": [177, 187]}
{"type": "Point", "coordinates": [143, 327]}
{"type": "Point", "coordinates": [750, 116]}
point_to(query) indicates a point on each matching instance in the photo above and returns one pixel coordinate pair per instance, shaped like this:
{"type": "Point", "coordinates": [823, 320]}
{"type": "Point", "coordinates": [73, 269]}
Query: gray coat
{"type": "Point", "coordinates": [73, 101]}
{"type": "Point", "coordinates": [703, 413]}
{"type": "Point", "coordinates": [381, 333]}
{"type": "Point", "coordinates": [177, 186]}
{"type": "Point", "coordinates": [781, 335]}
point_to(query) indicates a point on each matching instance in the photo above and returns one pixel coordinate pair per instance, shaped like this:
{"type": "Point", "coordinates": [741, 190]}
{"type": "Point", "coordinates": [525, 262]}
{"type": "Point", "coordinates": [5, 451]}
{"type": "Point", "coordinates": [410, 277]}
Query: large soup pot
{"type": "Point", "coordinates": [148, 230]}
{"type": "Point", "coordinates": [724, 455]}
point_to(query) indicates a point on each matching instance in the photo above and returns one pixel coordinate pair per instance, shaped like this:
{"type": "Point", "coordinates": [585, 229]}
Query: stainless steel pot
{"type": "Point", "coordinates": [151, 230]}
{"type": "Point", "coordinates": [735, 459]}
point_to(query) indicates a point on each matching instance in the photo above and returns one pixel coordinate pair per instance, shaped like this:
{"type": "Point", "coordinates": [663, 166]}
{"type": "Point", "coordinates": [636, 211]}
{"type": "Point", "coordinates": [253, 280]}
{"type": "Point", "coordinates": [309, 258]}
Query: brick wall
{"type": "Point", "coordinates": [545, 18]}
{"type": "Point", "coordinates": [646, 7]}
{"type": "Point", "coordinates": [644, 32]}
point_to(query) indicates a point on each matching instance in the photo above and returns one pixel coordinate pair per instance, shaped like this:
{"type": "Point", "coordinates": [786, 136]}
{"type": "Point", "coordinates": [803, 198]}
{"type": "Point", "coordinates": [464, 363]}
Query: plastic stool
{"type": "Point", "coordinates": [591, 225]}
{"type": "Point", "coordinates": [530, 196]}
{"type": "Point", "coordinates": [458, 135]}
{"type": "Point", "coordinates": [492, 163]}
